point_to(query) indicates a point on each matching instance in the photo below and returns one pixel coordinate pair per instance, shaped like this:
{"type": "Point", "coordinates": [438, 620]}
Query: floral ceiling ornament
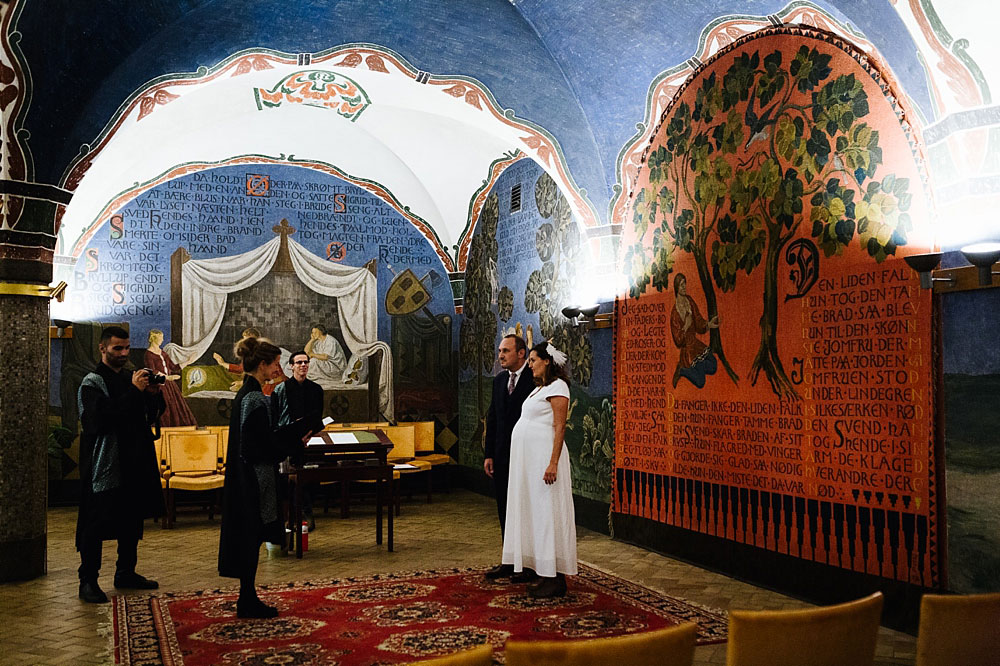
{"type": "Point", "coordinates": [319, 88]}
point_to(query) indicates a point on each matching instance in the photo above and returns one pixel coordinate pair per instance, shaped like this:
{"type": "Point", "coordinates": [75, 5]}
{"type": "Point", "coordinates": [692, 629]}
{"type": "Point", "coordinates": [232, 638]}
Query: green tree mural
{"type": "Point", "coordinates": [550, 287]}
{"type": "Point", "coordinates": [736, 166]}
{"type": "Point", "coordinates": [598, 450]}
{"type": "Point", "coordinates": [477, 335]}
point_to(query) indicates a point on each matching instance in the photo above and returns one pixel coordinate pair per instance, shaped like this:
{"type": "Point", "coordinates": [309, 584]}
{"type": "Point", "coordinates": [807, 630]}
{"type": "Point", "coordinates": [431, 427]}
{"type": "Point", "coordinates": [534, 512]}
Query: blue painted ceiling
{"type": "Point", "coordinates": [579, 68]}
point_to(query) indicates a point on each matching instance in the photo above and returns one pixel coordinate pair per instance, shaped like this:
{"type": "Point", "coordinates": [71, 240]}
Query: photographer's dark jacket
{"type": "Point", "coordinates": [119, 475]}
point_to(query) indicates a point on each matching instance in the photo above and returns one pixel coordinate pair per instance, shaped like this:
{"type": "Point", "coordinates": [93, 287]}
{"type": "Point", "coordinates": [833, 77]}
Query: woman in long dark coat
{"type": "Point", "coordinates": [250, 509]}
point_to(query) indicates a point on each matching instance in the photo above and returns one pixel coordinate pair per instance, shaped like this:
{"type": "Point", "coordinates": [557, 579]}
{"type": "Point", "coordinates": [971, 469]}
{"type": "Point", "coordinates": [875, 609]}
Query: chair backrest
{"type": "Point", "coordinates": [673, 646]}
{"type": "Point", "coordinates": [401, 437]}
{"type": "Point", "coordinates": [826, 636]}
{"type": "Point", "coordinates": [193, 452]}
{"type": "Point", "coordinates": [959, 630]}
{"type": "Point", "coordinates": [423, 436]}
{"type": "Point", "coordinates": [477, 656]}
{"type": "Point", "coordinates": [223, 433]}
{"type": "Point", "coordinates": [363, 425]}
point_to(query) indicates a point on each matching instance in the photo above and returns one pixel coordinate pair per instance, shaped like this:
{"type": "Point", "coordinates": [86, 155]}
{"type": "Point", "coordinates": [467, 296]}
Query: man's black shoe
{"type": "Point", "coordinates": [92, 593]}
{"type": "Point", "coordinates": [134, 581]}
{"type": "Point", "coordinates": [525, 576]}
{"type": "Point", "coordinates": [500, 571]}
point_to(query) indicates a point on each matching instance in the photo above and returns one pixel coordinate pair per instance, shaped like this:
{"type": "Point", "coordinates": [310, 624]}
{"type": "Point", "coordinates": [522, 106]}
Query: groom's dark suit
{"type": "Point", "coordinates": [505, 410]}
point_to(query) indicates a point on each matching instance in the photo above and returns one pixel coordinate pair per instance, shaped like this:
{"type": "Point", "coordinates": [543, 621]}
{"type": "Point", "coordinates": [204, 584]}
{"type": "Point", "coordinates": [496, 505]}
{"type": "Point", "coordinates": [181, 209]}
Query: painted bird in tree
{"type": "Point", "coordinates": [758, 125]}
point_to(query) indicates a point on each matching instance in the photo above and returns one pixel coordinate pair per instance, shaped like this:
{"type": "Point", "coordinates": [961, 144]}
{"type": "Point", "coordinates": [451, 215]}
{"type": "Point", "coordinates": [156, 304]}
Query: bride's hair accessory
{"type": "Point", "coordinates": [557, 356]}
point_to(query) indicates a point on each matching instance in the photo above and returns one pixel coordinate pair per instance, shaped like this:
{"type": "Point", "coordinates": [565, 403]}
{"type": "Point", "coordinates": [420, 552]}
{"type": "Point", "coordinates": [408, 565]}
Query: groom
{"type": "Point", "coordinates": [510, 388]}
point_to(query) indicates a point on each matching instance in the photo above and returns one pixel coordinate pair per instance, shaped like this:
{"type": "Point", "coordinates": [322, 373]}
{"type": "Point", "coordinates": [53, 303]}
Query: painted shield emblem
{"type": "Point", "coordinates": [406, 294]}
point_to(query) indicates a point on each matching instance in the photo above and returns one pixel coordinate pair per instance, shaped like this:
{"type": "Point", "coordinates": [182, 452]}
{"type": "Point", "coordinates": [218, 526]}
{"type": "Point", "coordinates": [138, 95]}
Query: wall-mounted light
{"type": "Point", "coordinates": [924, 265]}
{"type": "Point", "coordinates": [983, 256]}
{"type": "Point", "coordinates": [586, 316]}
{"type": "Point", "coordinates": [571, 312]}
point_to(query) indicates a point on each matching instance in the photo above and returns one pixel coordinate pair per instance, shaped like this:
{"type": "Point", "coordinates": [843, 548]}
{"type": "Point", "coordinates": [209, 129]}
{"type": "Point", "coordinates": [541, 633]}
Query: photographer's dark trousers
{"type": "Point", "coordinates": [90, 557]}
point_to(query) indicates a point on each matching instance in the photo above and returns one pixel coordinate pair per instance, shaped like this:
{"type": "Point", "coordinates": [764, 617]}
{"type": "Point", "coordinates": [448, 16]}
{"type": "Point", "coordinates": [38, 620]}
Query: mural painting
{"type": "Point", "coordinates": [525, 261]}
{"type": "Point", "coordinates": [308, 260]}
{"type": "Point", "coordinates": [774, 354]}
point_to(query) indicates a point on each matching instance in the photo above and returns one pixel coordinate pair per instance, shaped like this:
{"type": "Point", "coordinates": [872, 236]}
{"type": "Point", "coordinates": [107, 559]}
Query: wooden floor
{"type": "Point", "coordinates": [43, 622]}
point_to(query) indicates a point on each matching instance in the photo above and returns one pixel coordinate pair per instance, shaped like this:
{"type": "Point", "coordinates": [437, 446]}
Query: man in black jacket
{"type": "Point", "coordinates": [120, 484]}
{"type": "Point", "coordinates": [510, 388]}
{"type": "Point", "coordinates": [298, 398]}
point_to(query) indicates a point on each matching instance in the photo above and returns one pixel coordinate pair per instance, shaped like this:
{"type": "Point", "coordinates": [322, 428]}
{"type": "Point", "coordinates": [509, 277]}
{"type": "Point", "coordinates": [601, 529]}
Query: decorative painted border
{"type": "Point", "coordinates": [377, 189]}
{"type": "Point", "coordinates": [538, 142]}
{"type": "Point", "coordinates": [497, 167]}
{"type": "Point", "coordinates": [721, 33]}
{"type": "Point", "coordinates": [963, 75]}
{"type": "Point", "coordinates": [15, 91]}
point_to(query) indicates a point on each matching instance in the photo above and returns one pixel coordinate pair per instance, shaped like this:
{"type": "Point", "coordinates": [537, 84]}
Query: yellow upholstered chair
{"type": "Point", "coordinates": [477, 656]}
{"type": "Point", "coordinates": [403, 453]}
{"type": "Point", "coordinates": [423, 443]}
{"type": "Point", "coordinates": [223, 433]}
{"type": "Point", "coordinates": [826, 636]}
{"type": "Point", "coordinates": [959, 630]}
{"type": "Point", "coordinates": [331, 427]}
{"type": "Point", "coordinates": [402, 438]}
{"type": "Point", "coordinates": [673, 646]}
{"type": "Point", "coordinates": [192, 464]}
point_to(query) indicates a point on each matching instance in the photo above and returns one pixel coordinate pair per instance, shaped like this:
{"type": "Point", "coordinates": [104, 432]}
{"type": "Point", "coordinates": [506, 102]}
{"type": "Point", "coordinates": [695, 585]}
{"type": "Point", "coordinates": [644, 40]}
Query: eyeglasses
{"type": "Point", "coordinates": [306, 362]}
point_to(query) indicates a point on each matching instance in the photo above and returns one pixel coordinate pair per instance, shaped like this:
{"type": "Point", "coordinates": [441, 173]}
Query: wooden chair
{"type": "Point", "coordinates": [403, 438]}
{"type": "Point", "coordinates": [424, 446]}
{"type": "Point", "coordinates": [192, 464]}
{"type": "Point", "coordinates": [477, 656]}
{"type": "Point", "coordinates": [959, 630]}
{"type": "Point", "coordinates": [161, 465]}
{"type": "Point", "coordinates": [673, 646]}
{"type": "Point", "coordinates": [332, 427]}
{"type": "Point", "coordinates": [827, 636]}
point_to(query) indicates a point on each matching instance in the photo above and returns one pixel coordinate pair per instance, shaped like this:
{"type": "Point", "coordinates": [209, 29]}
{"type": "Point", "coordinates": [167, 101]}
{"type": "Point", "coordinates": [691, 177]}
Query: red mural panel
{"type": "Point", "coordinates": [774, 361]}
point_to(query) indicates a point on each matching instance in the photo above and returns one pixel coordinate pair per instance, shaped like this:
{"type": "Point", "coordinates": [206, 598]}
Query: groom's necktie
{"type": "Point", "coordinates": [512, 383]}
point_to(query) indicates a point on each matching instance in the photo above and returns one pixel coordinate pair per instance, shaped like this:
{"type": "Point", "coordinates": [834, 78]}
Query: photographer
{"type": "Point", "coordinates": [120, 483]}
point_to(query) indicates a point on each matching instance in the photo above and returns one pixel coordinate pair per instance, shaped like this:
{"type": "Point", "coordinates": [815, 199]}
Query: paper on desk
{"type": "Point", "coordinates": [315, 441]}
{"type": "Point", "coordinates": [343, 437]}
{"type": "Point", "coordinates": [404, 466]}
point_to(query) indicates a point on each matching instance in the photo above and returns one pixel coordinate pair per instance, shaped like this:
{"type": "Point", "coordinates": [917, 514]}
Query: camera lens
{"type": "Point", "coordinates": [155, 378]}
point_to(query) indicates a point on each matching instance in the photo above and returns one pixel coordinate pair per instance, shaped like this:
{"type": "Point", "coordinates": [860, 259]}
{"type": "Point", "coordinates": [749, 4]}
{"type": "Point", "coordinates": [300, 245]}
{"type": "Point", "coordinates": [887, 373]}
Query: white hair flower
{"type": "Point", "coordinates": [557, 356]}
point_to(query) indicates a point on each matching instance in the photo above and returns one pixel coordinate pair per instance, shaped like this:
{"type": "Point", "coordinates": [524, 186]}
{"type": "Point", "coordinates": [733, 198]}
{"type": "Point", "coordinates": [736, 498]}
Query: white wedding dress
{"type": "Point", "coordinates": [541, 525]}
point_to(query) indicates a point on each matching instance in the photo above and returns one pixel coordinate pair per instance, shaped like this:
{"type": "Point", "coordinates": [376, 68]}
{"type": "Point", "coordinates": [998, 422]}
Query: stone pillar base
{"type": "Point", "coordinates": [22, 560]}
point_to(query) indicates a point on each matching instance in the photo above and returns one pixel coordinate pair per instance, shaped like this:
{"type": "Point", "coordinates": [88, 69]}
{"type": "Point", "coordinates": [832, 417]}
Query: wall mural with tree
{"type": "Point", "coordinates": [770, 324]}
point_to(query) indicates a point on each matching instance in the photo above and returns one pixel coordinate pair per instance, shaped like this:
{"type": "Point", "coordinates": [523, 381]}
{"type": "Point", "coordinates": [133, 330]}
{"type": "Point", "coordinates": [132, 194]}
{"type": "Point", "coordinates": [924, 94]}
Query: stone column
{"type": "Point", "coordinates": [24, 399]}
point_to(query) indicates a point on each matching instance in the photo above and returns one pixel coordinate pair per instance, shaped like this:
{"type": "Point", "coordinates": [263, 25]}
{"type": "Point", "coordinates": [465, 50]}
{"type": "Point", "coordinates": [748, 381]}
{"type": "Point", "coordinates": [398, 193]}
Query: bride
{"type": "Point", "coordinates": [540, 533]}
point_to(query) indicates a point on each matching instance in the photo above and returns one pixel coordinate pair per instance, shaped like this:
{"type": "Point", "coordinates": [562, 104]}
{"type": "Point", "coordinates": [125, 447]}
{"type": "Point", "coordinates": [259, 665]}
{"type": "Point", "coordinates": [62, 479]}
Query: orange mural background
{"type": "Point", "coordinates": [774, 357]}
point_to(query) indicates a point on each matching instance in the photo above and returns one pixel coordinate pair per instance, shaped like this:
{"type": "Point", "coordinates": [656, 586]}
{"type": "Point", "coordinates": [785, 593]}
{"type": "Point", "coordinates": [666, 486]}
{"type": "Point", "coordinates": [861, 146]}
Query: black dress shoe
{"type": "Point", "coordinates": [549, 587]}
{"type": "Point", "coordinates": [92, 593]}
{"type": "Point", "coordinates": [255, 609]}
{"type": "Point", "coordinates": [525, 576]}
{"type": "Point", "coordinates": [500, 571]}
{"type": "Point", "coordinates": [134, 581]}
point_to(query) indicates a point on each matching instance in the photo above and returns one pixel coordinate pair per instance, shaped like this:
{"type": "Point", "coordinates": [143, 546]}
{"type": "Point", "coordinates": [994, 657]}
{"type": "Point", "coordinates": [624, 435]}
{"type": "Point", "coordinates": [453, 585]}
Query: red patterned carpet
{"type": "Point", "coordinates": [388, 619]}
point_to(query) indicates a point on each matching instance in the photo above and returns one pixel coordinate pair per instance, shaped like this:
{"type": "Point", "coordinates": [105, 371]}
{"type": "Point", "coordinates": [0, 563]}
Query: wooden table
{"type": "Point", "coordinates": [345, 463]}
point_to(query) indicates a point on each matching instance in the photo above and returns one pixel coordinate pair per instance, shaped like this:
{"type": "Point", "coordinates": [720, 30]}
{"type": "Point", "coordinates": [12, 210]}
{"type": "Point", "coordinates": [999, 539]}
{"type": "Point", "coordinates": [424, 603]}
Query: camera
{"type": "Point", "coordinates": [155, 378]}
